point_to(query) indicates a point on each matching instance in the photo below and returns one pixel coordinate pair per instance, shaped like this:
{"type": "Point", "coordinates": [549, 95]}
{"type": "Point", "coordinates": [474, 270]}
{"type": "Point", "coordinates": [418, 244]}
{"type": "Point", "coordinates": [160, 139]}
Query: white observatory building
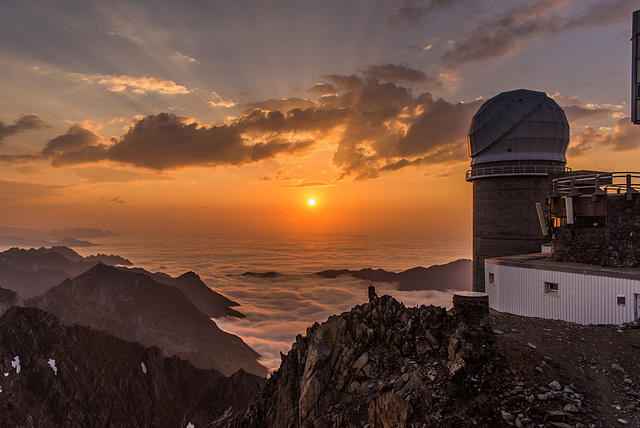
{"type": "Point", "coordinates": [516, 139]}
{"type": "Point", "coordinates": [591, 275]}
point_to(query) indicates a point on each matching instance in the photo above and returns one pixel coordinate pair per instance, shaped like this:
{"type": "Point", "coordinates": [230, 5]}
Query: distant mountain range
{"type": "Point", "coordinates": [154, 309]}
{"type": "Point", "coordinates": [450, 276]}
{"type": "Point", "coordinates": [136, 307]}
{"type": "Point", "coordinates": [58, 375]}
{"type": "Point", "coordinates": [32, 272]}
{"type": "Point", "coordinates": [73, 237]}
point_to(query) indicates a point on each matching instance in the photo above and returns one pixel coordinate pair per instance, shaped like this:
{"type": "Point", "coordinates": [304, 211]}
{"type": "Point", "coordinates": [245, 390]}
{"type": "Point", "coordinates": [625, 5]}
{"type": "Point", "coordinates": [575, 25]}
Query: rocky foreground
{"type": "Point", "coordinates": [384, 365]}
{"type": "Point", "coordinates": [52, 375]}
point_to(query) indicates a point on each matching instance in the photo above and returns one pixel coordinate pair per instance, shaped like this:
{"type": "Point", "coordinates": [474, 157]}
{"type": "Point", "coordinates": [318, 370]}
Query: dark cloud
{"type": "Point", "coordinates": [322, 89]}
{"type": "Point", "coordinates": [167, 142]}
{"type": "Point", "coordinates": [74, 140]}
{"type": "Point", "coordinates": [577, 113]}
{"type": "Point", "coordinates": [23, 123]}
{"type": "Point", "coordinates": [372, 123]}
{"type": "Point", "coordinates": [577, 110]}
{"type": "Point", "coordinates": [422, 131]}
{"type": "Point", "coordinates": [520, 26]}
{"type": "Point", "coordinates": [625, 137]}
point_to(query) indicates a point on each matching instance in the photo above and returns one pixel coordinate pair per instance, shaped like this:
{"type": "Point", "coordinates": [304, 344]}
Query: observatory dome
{"type": "Point", "coordinates": [520, 125]}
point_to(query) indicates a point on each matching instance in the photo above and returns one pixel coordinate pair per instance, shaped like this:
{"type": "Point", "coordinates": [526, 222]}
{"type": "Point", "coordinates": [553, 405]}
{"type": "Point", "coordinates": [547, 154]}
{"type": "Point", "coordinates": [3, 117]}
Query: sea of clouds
{"type": "Point", "coordinates": [282, 307]}
{"type": "Point", "coordinates": [279, 308]}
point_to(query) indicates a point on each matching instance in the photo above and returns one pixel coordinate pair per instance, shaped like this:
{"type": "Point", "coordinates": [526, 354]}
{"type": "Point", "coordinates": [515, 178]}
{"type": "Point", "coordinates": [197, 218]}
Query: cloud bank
{"type": "Point", "coordinates": [372, 122]}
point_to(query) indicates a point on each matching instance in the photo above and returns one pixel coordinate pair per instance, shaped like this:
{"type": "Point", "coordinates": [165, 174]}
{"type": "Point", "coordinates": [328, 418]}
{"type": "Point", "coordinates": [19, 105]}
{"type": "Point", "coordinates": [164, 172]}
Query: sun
{"type": "Point", "coordinates": [311, 202]}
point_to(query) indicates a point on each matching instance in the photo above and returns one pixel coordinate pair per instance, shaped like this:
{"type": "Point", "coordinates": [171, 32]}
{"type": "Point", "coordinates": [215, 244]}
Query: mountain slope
{"type": "Point", "coordinates": [212, 303]}
{"type": "Point", "coordinates": [69, 376]}
{"type": "Point", "coordinates": [134, 307]}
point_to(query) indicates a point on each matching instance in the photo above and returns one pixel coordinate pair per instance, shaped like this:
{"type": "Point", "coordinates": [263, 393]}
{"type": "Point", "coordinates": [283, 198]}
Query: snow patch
{"type": "Point", "coordinates": [52, 364]}
{"type": "Point", "coordinates": [16, 364]}
{"type": "Point", "coordinates": [144, 368]}
{"type": "Point", "coordinates": [6, 374]}
{"type": "Point", "coordinates": [190, 425]}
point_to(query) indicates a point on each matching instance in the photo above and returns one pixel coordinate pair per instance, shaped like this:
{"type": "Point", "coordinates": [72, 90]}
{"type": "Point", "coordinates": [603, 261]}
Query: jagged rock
{"type": "Point", "coordinates": [388, 411]}
{"type": "Point", "coordinates": [395, 376]}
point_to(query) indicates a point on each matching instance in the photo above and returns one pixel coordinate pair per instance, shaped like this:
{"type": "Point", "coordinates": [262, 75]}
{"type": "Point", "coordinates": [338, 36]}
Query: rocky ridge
{"type": "Point", "coordinates": [384, 365]}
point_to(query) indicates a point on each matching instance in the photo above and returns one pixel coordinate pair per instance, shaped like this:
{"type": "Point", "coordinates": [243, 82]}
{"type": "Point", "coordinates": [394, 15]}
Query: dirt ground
{"type": "Point", "coordinates": [599, 366]}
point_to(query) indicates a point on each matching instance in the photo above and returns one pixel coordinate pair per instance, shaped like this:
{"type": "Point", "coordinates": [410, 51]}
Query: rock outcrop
{"type": "Point", "coordinates": [134, 307]}
{"type": "Point", "coordinates": [379, 364]}
{"type": "Point", "coordinates": [53, 375]}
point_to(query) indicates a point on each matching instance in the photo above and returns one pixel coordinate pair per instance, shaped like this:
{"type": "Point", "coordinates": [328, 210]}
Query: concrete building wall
{"type": "Point", "coordinates": [505, 221]}
{"type": "Point", "coordinates": [581, 297]}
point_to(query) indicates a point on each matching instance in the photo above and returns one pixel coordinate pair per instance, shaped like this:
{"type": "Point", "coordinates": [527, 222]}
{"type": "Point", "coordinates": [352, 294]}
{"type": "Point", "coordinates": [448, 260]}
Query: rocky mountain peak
{"type": "Point", "coordinates": [380, 364]}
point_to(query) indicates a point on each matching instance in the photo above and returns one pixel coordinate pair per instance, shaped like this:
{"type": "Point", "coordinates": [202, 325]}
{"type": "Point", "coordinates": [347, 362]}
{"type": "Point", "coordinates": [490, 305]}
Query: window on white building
{"type": "Point", "coordinates": [551, 287]}
{"type": "Point", "coordinates": [492, 278]}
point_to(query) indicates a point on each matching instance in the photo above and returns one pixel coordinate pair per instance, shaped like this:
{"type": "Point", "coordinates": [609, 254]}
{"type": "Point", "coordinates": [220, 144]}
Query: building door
{"type": "Point", "coordinates": [637, 306]}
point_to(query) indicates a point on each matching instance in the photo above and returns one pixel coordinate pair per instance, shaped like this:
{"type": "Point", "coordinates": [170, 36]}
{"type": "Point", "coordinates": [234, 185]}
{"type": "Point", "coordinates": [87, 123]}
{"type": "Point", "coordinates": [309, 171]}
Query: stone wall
{"type": "Point", "coordinates": [614, 243]}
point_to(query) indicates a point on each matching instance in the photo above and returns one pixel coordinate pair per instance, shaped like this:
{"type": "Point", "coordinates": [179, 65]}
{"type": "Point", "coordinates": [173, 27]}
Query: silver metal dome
{"type": "Point", "coordinates": [519, 125]}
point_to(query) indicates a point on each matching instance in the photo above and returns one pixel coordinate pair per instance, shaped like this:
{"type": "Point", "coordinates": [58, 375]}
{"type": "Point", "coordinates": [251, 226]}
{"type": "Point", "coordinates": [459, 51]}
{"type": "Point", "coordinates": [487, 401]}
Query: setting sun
{"type": "Point", "coordinates": [311, 202]}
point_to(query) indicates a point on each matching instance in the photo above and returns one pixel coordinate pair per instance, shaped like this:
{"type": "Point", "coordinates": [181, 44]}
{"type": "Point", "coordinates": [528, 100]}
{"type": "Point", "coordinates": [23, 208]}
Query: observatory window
{"type": "Point", "coordinates": [492, 278]}
{"type": "Point", "coordinates": [551, 287]}
{"type": "Point", "coordinates": [621, 299]}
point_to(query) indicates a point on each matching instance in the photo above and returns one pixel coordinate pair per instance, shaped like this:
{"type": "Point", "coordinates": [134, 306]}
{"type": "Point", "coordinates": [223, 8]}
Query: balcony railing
{"type": "Point", "coordinates": [609, 183]}
{"type": "Point", "coordinates": [474, 173]}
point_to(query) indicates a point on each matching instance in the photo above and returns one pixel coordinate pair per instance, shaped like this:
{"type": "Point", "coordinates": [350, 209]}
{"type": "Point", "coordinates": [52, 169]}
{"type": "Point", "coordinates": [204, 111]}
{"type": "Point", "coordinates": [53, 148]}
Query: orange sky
{"type": "Point", "coordinates": [229, 122]}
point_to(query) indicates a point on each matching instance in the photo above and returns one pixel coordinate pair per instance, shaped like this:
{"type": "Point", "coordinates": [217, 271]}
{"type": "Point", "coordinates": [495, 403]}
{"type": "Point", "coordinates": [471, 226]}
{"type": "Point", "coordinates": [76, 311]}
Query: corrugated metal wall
{"type": "Point", "coordinates": [584, 299]}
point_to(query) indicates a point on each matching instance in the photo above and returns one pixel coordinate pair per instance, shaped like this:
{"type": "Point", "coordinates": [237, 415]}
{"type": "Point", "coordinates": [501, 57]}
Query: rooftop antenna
{"type": "Point", "coordinates": [635, 68]}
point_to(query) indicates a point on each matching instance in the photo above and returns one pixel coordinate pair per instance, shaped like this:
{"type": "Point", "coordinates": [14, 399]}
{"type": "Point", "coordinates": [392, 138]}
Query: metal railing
{"type": "Point", "coordinates": [609, 183]}
{"type": "Point", "coordinates": [515, 170]}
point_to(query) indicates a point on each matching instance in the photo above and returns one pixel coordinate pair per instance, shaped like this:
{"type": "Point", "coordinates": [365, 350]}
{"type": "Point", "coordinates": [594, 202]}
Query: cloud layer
{"type": "Point", "coordinates": [371, 121]}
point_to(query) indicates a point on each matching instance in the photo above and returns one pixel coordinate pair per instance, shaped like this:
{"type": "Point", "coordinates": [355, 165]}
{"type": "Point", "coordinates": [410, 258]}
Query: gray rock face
{"type": "Point", "coordinates": [379, 364]}
{"type": "Point", "coordinates": [72, 376]}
